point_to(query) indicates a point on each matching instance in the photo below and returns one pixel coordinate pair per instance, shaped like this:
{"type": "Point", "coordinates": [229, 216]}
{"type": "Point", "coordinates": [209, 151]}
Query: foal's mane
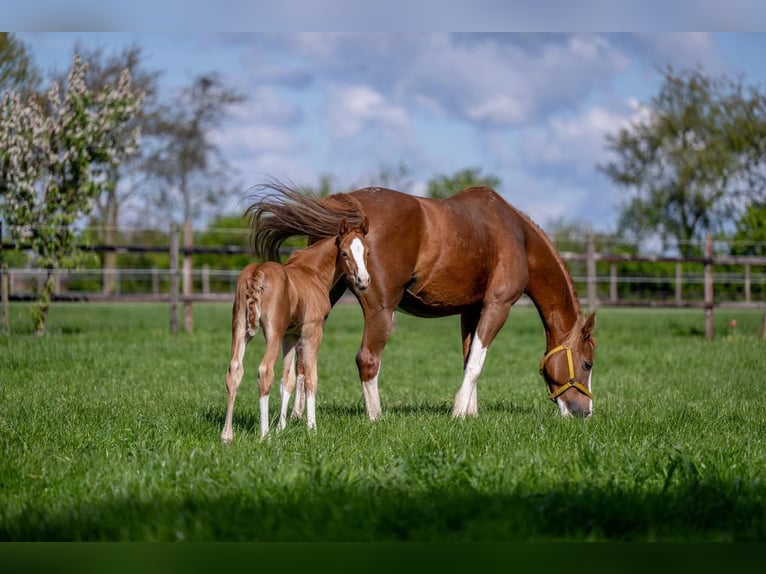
{"type": "Point", "coordinates": [280, 212]}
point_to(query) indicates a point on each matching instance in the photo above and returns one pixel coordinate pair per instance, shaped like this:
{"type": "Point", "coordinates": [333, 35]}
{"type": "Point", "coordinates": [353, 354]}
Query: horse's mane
{"type": "Point", "coordinates": [543, 237]}
{"type": "Point", "coordinates": [280, 212]}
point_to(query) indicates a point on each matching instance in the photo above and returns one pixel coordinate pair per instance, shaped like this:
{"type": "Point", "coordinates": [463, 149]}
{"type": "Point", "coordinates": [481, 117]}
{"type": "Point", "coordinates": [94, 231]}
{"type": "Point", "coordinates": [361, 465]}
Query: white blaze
{"type": "Point", "coordinates": [357, 251]}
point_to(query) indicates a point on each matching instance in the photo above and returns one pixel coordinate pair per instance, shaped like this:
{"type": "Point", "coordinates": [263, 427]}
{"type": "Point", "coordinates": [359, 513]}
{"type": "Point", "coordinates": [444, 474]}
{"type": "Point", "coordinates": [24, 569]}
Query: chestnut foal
{"type": "Point", "coordinates": [291, 302]}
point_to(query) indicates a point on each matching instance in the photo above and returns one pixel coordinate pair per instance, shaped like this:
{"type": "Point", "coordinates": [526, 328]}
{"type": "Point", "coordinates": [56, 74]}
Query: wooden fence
{"type": "Point", "coordinates": [176, 284]}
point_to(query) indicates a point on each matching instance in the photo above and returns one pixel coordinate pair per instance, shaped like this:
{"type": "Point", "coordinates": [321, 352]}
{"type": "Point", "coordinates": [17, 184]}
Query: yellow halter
{"type": "Point", "coordinates": [572, 381]}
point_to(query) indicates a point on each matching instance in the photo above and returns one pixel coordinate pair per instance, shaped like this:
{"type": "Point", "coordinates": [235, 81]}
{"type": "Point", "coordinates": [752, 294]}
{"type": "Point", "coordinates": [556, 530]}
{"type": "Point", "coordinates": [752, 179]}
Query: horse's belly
{"type": "Point", "coordinates": [426, 303]}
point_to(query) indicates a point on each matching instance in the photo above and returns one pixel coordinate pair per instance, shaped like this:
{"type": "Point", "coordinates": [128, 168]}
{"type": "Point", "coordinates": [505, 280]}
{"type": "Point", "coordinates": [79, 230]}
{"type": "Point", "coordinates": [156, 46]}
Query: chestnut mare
{"type": "Point", "coordinates": [290, 302]}
{"type": "Point", "coordinates": [472, 254]}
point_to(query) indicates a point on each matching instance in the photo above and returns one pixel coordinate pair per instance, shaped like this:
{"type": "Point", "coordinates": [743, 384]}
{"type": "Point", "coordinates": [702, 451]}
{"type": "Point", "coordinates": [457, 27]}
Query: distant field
{"type": "Point", "coordinates": [109, 431]}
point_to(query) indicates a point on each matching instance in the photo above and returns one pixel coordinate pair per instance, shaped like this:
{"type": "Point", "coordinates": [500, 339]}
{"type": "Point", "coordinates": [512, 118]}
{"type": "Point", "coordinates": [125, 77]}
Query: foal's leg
{"type": "Point", "coordinates": [311, 340]}
{"type": "Point", "coordinates": [490, 321]}
{"type": "Point", "coordinates": [300, 389]}
{"type": "Point", "coordinates": [239, 341]}
{"type": "Point", "coordinates": [287, 383]}
{"type": "Point", "coordinates": [266, 375]}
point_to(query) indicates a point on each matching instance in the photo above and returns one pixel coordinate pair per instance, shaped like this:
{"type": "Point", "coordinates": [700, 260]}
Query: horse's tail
{"type": "Point", "coordinates": [247, 302]}
{"type": "Point", "coordinates": [253, 297]}
{"type": "Point", "coordinates": [279, 212]}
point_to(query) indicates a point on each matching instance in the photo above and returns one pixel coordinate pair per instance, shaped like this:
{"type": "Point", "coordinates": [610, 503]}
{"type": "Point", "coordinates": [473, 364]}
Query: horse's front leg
{"type": "Point", "coordinates": [287, 383]}
{"type": "Point", "coordinates": [310, 343]}
{"type": "Point", "coordinates": [377, 327]}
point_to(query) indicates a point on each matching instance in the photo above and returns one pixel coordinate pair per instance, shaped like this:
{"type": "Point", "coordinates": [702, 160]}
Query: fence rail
{"type": "Point", "coordinates": [705, 282]}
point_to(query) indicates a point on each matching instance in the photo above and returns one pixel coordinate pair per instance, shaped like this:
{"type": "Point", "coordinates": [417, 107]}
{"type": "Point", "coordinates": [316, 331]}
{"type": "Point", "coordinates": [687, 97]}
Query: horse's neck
{"type": "Point", "coordinates": [550, 286]}
{"type": "Point", "coordinates": [317, 261]}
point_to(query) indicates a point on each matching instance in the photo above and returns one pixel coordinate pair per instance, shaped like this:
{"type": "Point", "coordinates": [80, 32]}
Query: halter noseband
{"type": "Point", "coordinates": [572, 382]}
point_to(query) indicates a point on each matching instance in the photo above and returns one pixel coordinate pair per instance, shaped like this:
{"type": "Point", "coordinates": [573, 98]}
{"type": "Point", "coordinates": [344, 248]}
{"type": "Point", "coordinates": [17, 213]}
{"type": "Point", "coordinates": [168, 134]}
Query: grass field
{"type": "Point", "coordinates": [109, 430]}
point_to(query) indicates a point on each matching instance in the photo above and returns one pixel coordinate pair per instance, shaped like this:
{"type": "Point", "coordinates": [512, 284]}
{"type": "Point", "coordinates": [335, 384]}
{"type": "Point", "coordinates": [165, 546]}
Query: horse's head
{"type": "Point", "coordinates": [352, 253]}
{"type": "Point", "coordinates": [567, 369]}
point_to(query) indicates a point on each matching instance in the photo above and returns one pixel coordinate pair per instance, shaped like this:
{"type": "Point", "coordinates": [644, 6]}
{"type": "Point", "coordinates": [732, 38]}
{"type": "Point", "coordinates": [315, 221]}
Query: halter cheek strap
{"type": "Point", "coordinates": [572, 382]}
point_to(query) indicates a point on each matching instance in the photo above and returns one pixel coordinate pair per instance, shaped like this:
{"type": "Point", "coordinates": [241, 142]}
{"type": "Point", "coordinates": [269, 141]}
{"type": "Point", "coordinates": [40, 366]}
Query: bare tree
{"type": "Point", "coordinates": [188, 170]}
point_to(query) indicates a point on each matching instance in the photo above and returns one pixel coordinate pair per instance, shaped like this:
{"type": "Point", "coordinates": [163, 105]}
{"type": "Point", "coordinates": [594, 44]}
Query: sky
{"type": "Point", "coordinates": [531, 108]}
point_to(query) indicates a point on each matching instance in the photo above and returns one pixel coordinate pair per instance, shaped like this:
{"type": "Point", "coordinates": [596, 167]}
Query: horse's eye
{"type": "Point", "coordinates": [587, 365]}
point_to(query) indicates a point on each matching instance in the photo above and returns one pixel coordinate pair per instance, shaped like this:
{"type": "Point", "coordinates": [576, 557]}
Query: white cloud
{"type": "Point", "coordinates": [352, 109]}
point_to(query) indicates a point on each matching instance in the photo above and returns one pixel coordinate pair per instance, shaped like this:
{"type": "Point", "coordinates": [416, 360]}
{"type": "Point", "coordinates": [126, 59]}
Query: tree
{"type": "Point", "coordinates": [443, 186]}
{"type": "Point", "coordinates": [750, 234]}
{"type": "Point", "coordinates": [17, 70]}
{"type": "Point", "coordinates": [55, 155]}
{"type": "Point", "coordinates": [691, 160]}
{"type": "Point", "coordinates": [186, 162]}
{"type": "Point", "coordinates": [105, 70]}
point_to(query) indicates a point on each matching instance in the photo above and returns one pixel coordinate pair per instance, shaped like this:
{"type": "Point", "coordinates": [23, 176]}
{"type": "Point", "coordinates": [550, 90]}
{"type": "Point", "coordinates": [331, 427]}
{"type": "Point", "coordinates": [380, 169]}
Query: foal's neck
{"type": "Point", "coordinates": [318, 260]}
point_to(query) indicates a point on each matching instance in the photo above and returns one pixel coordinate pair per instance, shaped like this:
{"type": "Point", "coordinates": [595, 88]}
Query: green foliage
{"type": "Point", "coordinates": [750, 235]}
{"type": "Point", "coordinates": [55, 154]}
{"type": "Point", "coordinates": [443, 186]}
{"type": "Point", "coordinates": [690, 159]}
{"type": "Point", "coordinates": [109, 431]}
{"type": "Point", "coordinates": [17, 70]}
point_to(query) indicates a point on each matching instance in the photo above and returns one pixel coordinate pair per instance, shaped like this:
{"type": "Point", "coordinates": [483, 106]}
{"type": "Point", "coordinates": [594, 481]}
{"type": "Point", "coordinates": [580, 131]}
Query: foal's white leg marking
{"type": "Point", "coordinates": [357, 251]}
{"type": "Point", "coordinates": [465, 400]}
{"type": "Point", "coordinates": [311, 410]}
{"type": "Point", "coordinates": [300, 397]}
{"type": "Point", "coordinates": [285, 396]}
{"type": "Point", "coordinates": [264, 415]}
{"type": "Point", "coordinates": [372, 397]}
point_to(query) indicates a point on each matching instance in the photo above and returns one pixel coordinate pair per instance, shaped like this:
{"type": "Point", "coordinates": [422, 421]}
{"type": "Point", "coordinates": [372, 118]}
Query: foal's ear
{"type": "Point", "coordinates": [365, 227]}
{"type": "Point", "coordinates": [589, 326]}
{"type": "Point", "coordinates": [343, 228]}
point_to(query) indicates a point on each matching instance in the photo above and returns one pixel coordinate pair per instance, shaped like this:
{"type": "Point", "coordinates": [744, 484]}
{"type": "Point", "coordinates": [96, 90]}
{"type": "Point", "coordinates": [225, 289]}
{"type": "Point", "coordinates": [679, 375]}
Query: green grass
{"type": "Point", "coordinates": [109, 430]}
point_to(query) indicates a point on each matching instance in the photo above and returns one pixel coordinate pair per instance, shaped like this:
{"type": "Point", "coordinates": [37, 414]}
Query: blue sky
{"type": "Point", "coordinates": [530, 108]}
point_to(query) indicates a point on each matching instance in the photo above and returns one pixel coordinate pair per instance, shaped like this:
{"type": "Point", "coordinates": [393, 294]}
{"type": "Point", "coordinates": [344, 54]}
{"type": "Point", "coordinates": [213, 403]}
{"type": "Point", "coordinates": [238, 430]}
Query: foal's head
{"type": "Point", "coordinates": [566, 369]}
{"type": "Point", "coordinates": [352, 253]}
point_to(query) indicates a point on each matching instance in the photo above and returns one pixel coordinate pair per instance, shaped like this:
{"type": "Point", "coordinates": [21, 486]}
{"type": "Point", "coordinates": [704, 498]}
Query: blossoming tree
{"type": "Point", "coordinates": [55, 151]}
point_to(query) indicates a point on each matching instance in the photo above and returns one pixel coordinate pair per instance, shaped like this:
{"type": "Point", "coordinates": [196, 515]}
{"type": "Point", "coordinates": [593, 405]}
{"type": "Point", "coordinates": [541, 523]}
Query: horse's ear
{"type": "Point", "coordinates": [343, 228]}
{"type": "Point", "coordinates": [365, 227]}
{"type": "Point", "coordinates": [589, 326]}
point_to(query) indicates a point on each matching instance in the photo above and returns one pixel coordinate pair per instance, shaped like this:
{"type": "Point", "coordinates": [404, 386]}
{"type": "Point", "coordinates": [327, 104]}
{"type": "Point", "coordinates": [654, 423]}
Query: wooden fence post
{"type": "Point", "coordinates": [747, 283]}
{"type": "Point", "coordinates": [188, 286]}
{"type": "Point", "coordinates": [613, 283]}
{"type": "Point", "coordinates": [679, 284]}
{"type": "Point", "coordinates": [591, 272]}
{"type": "Point", "coordinates": [206, 279]}
{"type": "Point", "coordinates": [173, 294]}
{"type": "Point", "coordinates": [709, 297]}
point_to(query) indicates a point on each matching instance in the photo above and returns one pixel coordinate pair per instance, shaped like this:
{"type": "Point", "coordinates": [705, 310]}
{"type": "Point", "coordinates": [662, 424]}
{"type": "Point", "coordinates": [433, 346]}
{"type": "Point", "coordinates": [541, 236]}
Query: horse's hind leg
{"type": "Point", "coordinates": [266, 377]}
{"type": "Point", "coordinates": [287, 383]}
{"type": "Point", "coordinates": [488, 324]}
{"type": "Point", "coordinates": [234, 374]}
{"type": "Point", "coordinates": [300, 388]}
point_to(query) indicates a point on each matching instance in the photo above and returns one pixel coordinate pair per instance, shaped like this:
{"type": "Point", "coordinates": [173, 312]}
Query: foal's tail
{"type": "Point", "coordinates": [247, 307]}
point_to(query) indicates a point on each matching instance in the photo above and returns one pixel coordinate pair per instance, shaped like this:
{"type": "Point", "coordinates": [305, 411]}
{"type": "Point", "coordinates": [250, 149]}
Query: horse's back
{"type": "Point", "coordinates": [443, 253]}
